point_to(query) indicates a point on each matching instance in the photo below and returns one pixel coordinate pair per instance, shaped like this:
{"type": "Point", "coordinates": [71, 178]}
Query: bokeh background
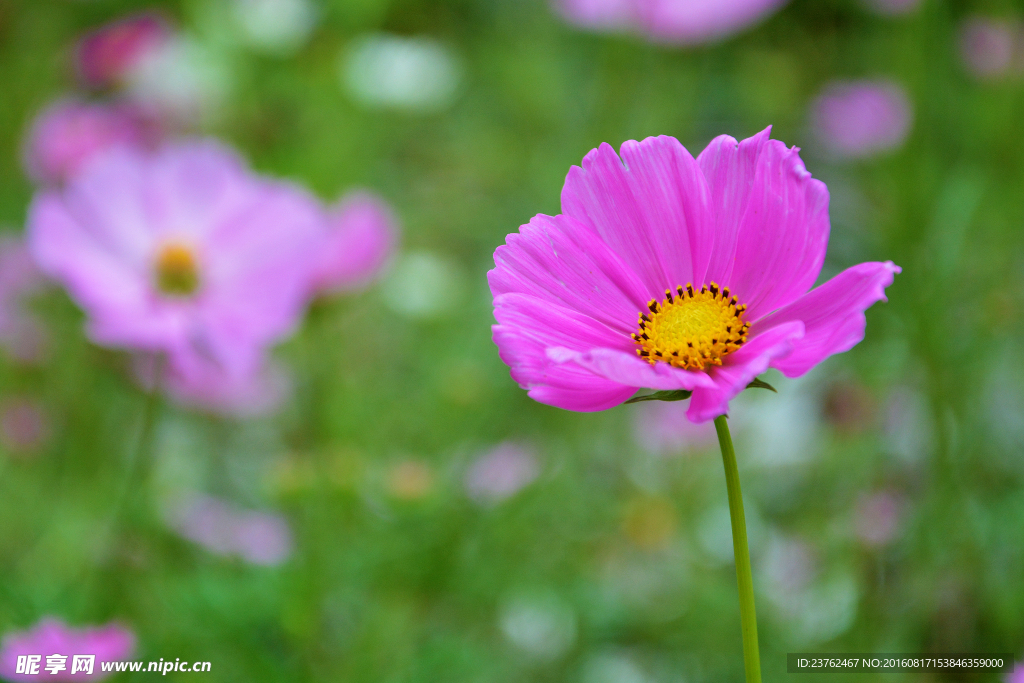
{"type": "Point", "coordinates": [409, 513]}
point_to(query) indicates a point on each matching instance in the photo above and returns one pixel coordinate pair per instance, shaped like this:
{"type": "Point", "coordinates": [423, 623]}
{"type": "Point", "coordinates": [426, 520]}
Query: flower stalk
{"type": "Point", "coordinates": [741, 551]}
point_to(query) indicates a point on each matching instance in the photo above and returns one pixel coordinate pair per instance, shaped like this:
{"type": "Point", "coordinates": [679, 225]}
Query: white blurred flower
{"type": "Point", "coordinates": [181, 81]}
{"type": "Point", "coordinates": [612, 667]}
{"type": "Point", "coordinates": [541, 625]}
{"type": "Point", "coordinates": [280, 26]}
{"type": "Point", "coordinates": [417, 74]}
{"type": "Point", "coordinates": [714, 531]}
{"type": "Point", "coordinates": [777, 429]}
{"type": "Point", "coordinates": [909, 427]}
{"type": "Point", "coordinates": [423, 285]}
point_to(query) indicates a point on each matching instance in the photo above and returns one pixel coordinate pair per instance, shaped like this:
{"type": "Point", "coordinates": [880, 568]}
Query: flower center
{"type": "Point", "coordinates": [177, 272]}
{"type": "Point", "coordinates": [690, 329]}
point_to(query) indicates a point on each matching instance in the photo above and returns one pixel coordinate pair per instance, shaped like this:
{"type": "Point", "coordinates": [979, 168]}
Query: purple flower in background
{"type": "Point", "coordinates": [989, 48]}
{"type": "Point", "coordinates": [70, 132]}
{"type": "Point", "coordinates": [856, 119]}
{"type": "Point", "coordinates": [1017, 675]}
{"type": "Point", "coordinates": [361, 238]}
{"type": "Point", "coordinates": [108, 55]}
{"type": "Point", "coordinates": [183, 252]}
{"type": "Point", "coordinates": [681, 22]}
{"type": "Point", "coordinates": [674, 273]}
{"type": "Point", "coordinates": [21, 334]}
{"type": "Point", "coordinates": [877, 518]}
{"type": "Point", "coordinates": [23, 425]}
{"type": "Point", "coordinates": [262, 538]}
{"type": "Point", "coordinates": [208, 388]}
{"type": "Point", "coordinates": [53, 637]}
{"type": "Point", "coordinates": [662, 427]}
{"type": "Point", "coordinates": [501, 473]}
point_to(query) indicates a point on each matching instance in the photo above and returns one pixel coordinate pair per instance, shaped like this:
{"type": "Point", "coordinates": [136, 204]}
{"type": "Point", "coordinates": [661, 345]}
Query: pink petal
{"type": "Point", "coordinates": [528, 326]}
{"type": "Point", "coordinates": [361, 238]}
{"type": "Point", "coordinates": [651, 208]}
{"type": "Point", "coordinates": [740, 367]}
{"type": "Point", "coordinates": [774, 252]}
{"type": "Point", "coordinates": [833, 315]}
{"type": "Point", "coordinates": [687, 22]}
{"type": "Point", "coordinates": [558, 259]}
{"type": "Point", "coordinates": [625, 367]}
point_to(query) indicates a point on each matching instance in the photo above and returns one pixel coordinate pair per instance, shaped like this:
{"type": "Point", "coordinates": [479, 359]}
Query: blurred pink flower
{"type": "Point", "coordinates": [361, 238]}
{"type": "Point", "coordinates": [262, 538]}
{"type": "Point", "coordinates": [52, 637]}
{"type": "Point", "coordinates": [208, 388]}
{"type": "Point", "coordinates": [23, 425]}
{"type": "Point", "coordinates": [183, 252]}
{"type": "Point", "coordinates": [70, 132]}
{"type": "Point", "coordinates": [861, 118]}
{"type": "Point", "coordinates": [877, 518]}
{"type": "Point", "coordinates": [893, 7]}
{"type": "Point", "coordinates": [501, 473]}
{"type": "Point", "coordinates": [1017, 675]}
{"type": "Point", "coordinates": [21, 334]}
{"type": "Point", "coordinates": [673, 273]}
{"type": "Point", "coordinates": [107, 55]}
{"type": "Point", "coordinates": [682, 22]}
{"type": "Point", "coordinates": [662, 427]}
{"type": "Point", "coordinates": [990, 48]}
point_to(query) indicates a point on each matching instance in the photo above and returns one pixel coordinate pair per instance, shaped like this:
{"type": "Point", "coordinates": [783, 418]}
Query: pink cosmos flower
{"type": "Point", "coordinates": [21, 334]}
{"type": "Point", "coordinates": [674, 273]}
{"type": "Point", "coordinates": [361, 239]}
{"type": "Point", "coordinates": [108, 55]}
{"type": "Point", "coordinates": [51, 636]}
{"type": "Point", "coordinates": [183, 252]}
{"type": "Point", "coordinates": [262, 538]}
{"type": "Point", "coordinates": [501, 473]}
{"type": "Point", "coordinates": [682, 22]}
{"type": "Point", "coordinates": [70, 132]}
{"type": "Point", "coordinates": [861, 118]}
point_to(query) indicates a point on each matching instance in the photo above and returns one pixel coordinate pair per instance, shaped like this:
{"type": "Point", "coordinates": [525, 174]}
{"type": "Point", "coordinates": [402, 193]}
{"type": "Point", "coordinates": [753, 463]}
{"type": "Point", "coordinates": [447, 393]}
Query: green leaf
{"type": "Point", "coordinates": [675, 395]}
{"type": "Point", "coordinates": [761, 384]}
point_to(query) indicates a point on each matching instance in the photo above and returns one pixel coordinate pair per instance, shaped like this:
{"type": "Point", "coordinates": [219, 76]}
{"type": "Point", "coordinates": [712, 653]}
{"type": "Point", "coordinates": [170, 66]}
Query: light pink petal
{"type": "Point", "coordinates": [360, 240]}
{"type": "Point", "coordinates": [652, 208]}
{"type": "Point", "coordinates": [558, 259]}
{"type": "Point", "coordinates": [599, 15]}
{"type": "Point", "coordinates": [626, 367]}
{"type": "Point", "coordinates": [688, 22]}
{"type": "Point", "coordinates": [833, 315]}
{"type": "Point", "coordinates": [527, 327]}
{"type": "Point", "coordinates": [740, 368]}
{"type": "Point", "coordinates": [776, 249]}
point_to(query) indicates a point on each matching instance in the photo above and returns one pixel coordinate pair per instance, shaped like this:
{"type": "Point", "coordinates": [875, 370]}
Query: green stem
{"type": "Point", "coordinates": [741, 551]}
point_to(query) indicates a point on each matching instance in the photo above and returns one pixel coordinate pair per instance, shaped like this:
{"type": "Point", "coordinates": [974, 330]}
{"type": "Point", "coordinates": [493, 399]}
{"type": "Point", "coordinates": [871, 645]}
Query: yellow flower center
{"type": "Point", "coordinates": [690, 329]}
{"type": "Point", "coordinates": [177, 272]}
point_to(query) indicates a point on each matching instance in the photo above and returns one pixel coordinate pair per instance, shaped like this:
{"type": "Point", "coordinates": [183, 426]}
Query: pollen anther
{"type": "Point", "coordinates": [694, 330]}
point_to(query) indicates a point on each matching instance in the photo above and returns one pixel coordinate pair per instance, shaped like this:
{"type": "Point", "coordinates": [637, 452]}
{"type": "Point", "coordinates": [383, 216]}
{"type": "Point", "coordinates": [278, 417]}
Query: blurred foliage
{"type": "Point", "coordinates": [609, 549]}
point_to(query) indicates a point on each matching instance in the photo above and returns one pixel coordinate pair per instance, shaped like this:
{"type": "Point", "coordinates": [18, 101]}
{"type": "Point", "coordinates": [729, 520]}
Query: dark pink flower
{"type": "Point", "coordinates": [861, 118]}
{"type": "Point", "coordinates": [183, 252]}
{"type": "Point", "coordinates": [108, 55]}
{"type": "Point", "coordinates": [361, 238]}
{"type": "Point", "coordinates": [990, 48]}
{"type": "Point", "coordinates": [500, 473]}
{"type": "Point", "coordinates": [70, 132]}
{"type": "Point", "coordinates": [52, 637]}
{"type": "Point", "coordinates": [674, 273]}
{"type": "Point", "coordinates": [21, 334]}
{"type": "Point", "coordinates": [681, 22]}
{"type": "Point", "coordinates": [262, 538]}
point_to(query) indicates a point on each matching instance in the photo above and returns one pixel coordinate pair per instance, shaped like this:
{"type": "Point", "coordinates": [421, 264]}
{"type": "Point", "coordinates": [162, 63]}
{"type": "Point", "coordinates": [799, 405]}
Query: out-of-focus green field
{"type": "Point", "coordinates": [608, 568]}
